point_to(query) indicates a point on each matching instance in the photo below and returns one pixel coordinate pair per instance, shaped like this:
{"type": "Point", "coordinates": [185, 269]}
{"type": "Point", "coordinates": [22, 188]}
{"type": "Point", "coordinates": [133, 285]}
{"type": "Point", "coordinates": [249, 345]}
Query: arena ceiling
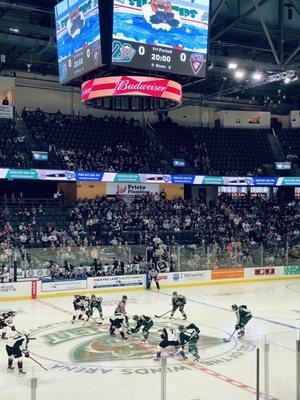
{"type": "Point", "coordinates": [258, 35]}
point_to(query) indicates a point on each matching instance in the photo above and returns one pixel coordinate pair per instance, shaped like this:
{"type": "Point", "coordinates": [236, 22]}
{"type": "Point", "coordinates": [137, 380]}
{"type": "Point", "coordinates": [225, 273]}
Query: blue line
{"type": "Point", "coordinates": [225, 309]}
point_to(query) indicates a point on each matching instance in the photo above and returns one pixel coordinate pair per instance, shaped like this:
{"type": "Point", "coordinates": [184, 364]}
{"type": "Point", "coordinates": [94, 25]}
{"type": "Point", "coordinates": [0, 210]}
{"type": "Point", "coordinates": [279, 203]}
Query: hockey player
{"type": "Point", "coordinates": [189, 335]}
{"type": "Point", "coordinates": [80, 304]}
{"type": "Point", "coordinates": [121, 308]}
{"type": "Point", "coordinates": [169, 338]}
{"type": "Point", "coordinates": [178, 301]}
{"type": "Point", "coordinates": [243, 317]}
{"type": "Point", "coordinates": [6, 321]}
{"type": "Point", "coordinates": [15, 348]}
{"type": "Point", "coordinates": [152, 275]}
{"type": "Point", "coordinates": [95, 303]}
{"type": "Point", "coordinates": [142, 321]}
{"type": "Point", "coordinates": [117, 323]}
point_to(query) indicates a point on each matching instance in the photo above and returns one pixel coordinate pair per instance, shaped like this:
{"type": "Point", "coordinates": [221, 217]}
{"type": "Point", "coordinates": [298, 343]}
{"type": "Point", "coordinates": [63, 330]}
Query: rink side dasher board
{"type": "Point", "coordinates": [230, 281]}
{"type": "Point", "coordinates": [129, 289]}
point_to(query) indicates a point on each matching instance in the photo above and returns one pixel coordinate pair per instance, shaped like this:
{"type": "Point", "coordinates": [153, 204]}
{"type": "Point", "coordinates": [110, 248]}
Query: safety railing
{"type": "Point", "coordinates": [137, 258]}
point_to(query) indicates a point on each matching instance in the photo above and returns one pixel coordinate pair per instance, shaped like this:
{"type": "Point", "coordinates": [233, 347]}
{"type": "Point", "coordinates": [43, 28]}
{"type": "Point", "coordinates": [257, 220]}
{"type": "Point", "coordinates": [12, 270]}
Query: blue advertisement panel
{"type": "Point", "coordinates": [162, 35]}
{"type": "Point", "coordinates": [185, 179]}
{"type": "Point", "coordinates": [89, 176]}
{"type": "Point", "coordinates": [264, 181]}
{"type": "Point", "coordinates": [78, 38]}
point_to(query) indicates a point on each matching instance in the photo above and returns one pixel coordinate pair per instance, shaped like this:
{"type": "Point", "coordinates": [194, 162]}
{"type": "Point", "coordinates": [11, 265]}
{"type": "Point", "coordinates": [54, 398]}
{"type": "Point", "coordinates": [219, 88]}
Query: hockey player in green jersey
{"type": "Point", "coordinates": [142, 321]}
{"type": "Point", "coordinates": [189, 335]}
{"type": "Point", "coordinates": [95, 303]}
{"type": "Point", "coordinates": [243, 317]}
{"type": "Point", "coordinates": [178, 301]}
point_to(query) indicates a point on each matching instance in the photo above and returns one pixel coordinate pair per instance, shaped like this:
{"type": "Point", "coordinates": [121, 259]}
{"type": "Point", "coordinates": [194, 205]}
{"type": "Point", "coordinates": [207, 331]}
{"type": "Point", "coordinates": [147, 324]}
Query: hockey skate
{"type": "Point", "coordinates": [21, 373]}
{"type": "Point", "coordinates": [10, 369]}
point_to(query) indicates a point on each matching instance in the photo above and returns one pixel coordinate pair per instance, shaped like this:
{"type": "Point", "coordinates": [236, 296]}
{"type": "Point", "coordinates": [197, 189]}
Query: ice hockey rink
{"type": "Point", "coordinates": [84, 362]}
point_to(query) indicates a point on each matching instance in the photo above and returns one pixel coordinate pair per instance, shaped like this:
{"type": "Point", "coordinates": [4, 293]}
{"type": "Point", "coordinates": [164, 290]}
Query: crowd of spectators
{"type": "Point", "coordinates": [94, 144]}
{"type": "Point", "coordinates": [243, 222]}
{"type": "Point", "coordinates": [12, 146]}
{"type": "Point", "coordinates": [217, 151]}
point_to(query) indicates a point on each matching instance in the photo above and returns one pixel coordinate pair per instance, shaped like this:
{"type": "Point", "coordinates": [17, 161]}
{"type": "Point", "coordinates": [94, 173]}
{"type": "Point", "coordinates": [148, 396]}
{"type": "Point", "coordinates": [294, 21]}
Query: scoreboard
{"type": "Point", "coordinates": [166, 36]}
{"type": "Point", "coordinates": [161, 35]}
{"type": "Point", "coordinates": [78, 38]}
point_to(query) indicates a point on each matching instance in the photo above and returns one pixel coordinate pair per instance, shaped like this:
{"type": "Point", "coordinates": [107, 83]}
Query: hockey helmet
{"type": "Point", "coordinates": [234, 307]}
{"type": "Point", "coordinates": [12, 312]}
{"type": "Point", "coordinates": [135, 317]}
{"type": "Point", "coordinates": [175, 293]}
{"type": "Point", "coordinates": [124, 297]}
{"type": "Point", "coordinates": [180, 328]}
{"type": "Point", "coordinates": [93, 296]}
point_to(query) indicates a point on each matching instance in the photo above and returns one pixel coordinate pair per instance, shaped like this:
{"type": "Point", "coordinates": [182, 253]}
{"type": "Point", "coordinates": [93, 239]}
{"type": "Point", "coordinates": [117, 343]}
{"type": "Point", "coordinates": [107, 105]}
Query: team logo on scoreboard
{"type": "Point", "coordinates": [122, 52]}
{"type": "Point", "coordinates": [95, 52]}
{"type": "Point", "coordinates": [63, 71]}
{"type": "Point", "coordinates": [197, 60]}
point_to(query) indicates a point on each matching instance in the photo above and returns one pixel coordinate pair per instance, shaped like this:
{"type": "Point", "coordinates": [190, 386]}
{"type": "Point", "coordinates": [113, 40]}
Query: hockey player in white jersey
{"type": "Point", "coordinates": [118, 324]}
{"type": "Point", "coordinates": [6, 323]}
{"type": "Point", "coordinates": [80, 304]}
{"type": "Point", "coordinates": [169, 339]}
{"type": "Point", "coordinates": [121, 308]}
{"type": "Point", "coordinates": [15, 348]}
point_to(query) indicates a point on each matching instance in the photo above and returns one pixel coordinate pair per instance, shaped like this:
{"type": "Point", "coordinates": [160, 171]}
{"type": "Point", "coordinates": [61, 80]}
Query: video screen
{"type": "Point", "coordinates": [78, 38]}
{"type": "Point", "coordinates": [168, 36]}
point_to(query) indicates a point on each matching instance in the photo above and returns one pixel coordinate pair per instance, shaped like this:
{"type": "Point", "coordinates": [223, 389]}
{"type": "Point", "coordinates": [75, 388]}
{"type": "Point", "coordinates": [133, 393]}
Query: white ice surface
{"type": "Point", "coordinates": [127, 371]}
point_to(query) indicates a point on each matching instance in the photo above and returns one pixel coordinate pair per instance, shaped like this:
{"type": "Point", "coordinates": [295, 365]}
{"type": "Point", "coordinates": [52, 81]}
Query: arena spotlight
{"type": "Point", "coordinates": [257, 76]}
{"type": "Point", "coordinates": [239, 74]}
{"type": "Point", "coordinates": [232, 65]}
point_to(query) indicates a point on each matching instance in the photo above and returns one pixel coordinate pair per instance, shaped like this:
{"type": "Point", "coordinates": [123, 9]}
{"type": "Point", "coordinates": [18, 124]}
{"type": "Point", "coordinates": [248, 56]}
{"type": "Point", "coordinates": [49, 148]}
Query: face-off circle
{"type": "Point", "coordinates": [92, 346]}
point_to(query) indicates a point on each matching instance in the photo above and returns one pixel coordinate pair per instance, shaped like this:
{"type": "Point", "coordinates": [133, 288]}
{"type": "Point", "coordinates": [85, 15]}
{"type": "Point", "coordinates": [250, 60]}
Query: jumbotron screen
{"type": "Point", "coordinates": [167, 36]}
{"type": "Point", "coordinates": [78, 38]}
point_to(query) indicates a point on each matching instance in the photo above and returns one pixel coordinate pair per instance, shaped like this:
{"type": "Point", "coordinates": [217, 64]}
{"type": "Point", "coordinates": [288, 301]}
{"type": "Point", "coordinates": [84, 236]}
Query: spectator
{"type": "Point", "coordinates": [5, 101]}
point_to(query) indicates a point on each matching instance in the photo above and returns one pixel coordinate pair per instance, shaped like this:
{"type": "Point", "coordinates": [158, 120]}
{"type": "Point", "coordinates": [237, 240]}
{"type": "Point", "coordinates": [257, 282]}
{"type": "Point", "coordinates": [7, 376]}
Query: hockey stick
{"type": "Point", "coordinates": [96, 322]}
{"type": "Point", "coordinates": [230, 337]}
{"type": "Point", "coordinates": [159, 316]}
{"type": "Point", "coordinates": [33, 359]}
{"type": "Point", "coordinates": [88, 320]}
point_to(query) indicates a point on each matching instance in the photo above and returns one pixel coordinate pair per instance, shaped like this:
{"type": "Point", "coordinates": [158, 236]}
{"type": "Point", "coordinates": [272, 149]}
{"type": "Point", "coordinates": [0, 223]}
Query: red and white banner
{"type": "Point", "coordinates": [131, 86]}
{"type": "Point", "coordinates": [33, 289]}
{"type": "Point", "coordinates": [265, 271]}
{"type": "Point", "coordinates": [131, 189]}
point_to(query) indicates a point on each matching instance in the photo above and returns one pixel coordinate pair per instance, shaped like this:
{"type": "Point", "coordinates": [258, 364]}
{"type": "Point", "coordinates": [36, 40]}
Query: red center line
{"type": "Point", "coordinates": [207, 371]}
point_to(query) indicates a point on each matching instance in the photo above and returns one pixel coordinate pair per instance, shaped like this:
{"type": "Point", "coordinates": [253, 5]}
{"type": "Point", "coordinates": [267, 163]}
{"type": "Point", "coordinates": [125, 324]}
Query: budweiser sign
{"type": "Point", "coordinates": [131, 86]}
{"type": "Point", "coordinates": [153, 88]}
